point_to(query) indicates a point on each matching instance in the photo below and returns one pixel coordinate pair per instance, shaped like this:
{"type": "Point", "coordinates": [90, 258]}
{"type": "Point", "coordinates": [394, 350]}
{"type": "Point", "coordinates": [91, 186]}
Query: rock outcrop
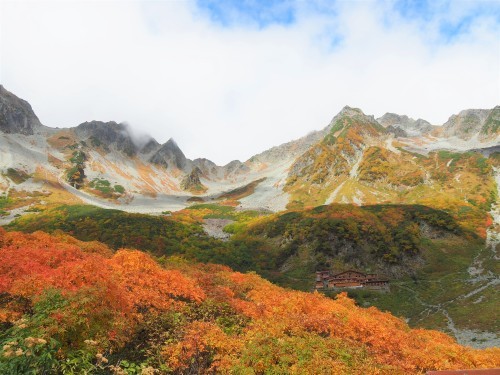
{"type": "Point", "coordinates": [466, 124]}
{"type": "Point", "coordinates": [16, 115]}
{"type": "Point", "coordinates": [108, 135]}
{"type": "Point", "coordinates": [169, 155]}
{"type": "Point", "coordinates": [410, 127]}
{"type": "Point", "coordinates": [192, 182]}
{"type": "Point", "coordinates": [491, 126]}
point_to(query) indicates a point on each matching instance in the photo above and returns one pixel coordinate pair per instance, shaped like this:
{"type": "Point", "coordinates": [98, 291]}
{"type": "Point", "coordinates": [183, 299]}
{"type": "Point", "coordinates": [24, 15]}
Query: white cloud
{"type": "Point", "coordinates": [227, 93]}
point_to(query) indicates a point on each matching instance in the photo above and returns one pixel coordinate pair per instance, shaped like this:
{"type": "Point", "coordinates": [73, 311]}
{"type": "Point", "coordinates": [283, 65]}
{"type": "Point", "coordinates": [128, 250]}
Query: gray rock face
{"type": "Point", "coordinates": [150, 146]}
{"type": "Point", "coordinates": [108, 134]}
{"type": "Point", "coordinates": [411, 127]}
{"type": "Point", "coordinates": [208, 168]}
{"type": "Point", "coordinates": [192, 181]}
{"type": "Point", "coordinates": [397, 131]}
{"type": "Point", "coordinates": [491, 126]}
{"type": "Point", "coordinates": [16, 115]}
{"type": "Point", "coordinates": [466, 124]}
{"type": "Point", "coordinates": [170, 155]}
{"type": "Point", "coordinates": [348, 116]}
{"type": "Point", "coordinates": [235, 166]}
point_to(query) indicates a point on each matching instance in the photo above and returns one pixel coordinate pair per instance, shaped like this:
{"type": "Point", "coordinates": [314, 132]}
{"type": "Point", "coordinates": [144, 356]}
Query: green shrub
{"type": "Point", "coordinates": [119, 189]}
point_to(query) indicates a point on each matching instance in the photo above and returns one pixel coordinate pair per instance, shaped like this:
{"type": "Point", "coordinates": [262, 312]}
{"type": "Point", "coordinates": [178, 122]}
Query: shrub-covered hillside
{"type": "Point", "coordinates": [442, 275]}
{"type": "Point", "coordinates": [380, 236]}
{"type": "Point", "coordinates": [72, 307]}
{"type": "Point", "coordinates": [425, 253]}
{"type": "Point", "coordinates": [160, 235]}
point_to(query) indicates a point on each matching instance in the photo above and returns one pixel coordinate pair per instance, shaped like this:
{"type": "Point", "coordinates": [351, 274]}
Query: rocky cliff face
{"type": "Point", "coordinates": [169, 155]}
{"type": "Point", "coordinates": [466, 124]}
{"type": "Point", "coordinates": [16, 115]}
{"type": "Point", "coordinates": [192, 183]}
{"type": "Point", "coordinates": [397, 131]}
{"type": "Point", "coordinates": [491, 126]}
{"type": "Point", "coordinates": [208, 168]}
{"type": "Point", "coordinates": [408, 126]}
{"type": "Point", "coordinates": [108, 135]}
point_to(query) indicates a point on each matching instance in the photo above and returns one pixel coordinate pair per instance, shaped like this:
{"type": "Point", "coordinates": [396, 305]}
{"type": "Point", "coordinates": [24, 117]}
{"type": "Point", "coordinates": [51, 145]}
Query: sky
{"type": "Point", "coordinates": [228, 79]}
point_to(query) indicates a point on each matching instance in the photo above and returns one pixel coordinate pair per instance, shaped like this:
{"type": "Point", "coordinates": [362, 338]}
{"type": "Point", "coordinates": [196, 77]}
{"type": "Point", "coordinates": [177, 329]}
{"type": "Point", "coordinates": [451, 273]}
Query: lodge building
{"type": "Point", "coordinates": [349, 279]}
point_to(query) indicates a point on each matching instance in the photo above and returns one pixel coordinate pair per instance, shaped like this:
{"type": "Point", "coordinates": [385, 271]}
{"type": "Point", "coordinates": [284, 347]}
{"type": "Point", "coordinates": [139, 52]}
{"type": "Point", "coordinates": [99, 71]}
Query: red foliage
{"type": "Point", "coordinates": [132, 281]}
{"type": "Point", "coordinates": [283, 324]}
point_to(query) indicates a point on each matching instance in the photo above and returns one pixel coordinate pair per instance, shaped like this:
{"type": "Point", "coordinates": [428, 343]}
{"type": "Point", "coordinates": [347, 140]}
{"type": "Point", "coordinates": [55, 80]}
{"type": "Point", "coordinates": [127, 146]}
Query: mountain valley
{"type": "Point", "coordinates": [414, 201]}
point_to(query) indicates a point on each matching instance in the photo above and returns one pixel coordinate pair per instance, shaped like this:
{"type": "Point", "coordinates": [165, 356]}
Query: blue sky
{"type": "Point", "coordinates": [256, 13]}
{"type": "Point", "coordinates": [228, 79]}
{"type": "Point", "coordinates": [452, 17]}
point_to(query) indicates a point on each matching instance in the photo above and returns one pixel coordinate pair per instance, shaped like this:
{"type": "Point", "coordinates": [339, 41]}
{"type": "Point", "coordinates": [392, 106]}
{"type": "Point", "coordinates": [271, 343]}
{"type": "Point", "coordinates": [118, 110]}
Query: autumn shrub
{"type": "Point", "coordinates": [27, 346]}
{"type": "Point", "coordinates": [75, 308]}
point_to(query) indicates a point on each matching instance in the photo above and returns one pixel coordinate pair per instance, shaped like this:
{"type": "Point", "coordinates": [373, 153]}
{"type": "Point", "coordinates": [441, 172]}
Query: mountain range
{"type": "Point", "coordinates": [415, 201]}
{"type": "Point", "coordinates": [354, 159]}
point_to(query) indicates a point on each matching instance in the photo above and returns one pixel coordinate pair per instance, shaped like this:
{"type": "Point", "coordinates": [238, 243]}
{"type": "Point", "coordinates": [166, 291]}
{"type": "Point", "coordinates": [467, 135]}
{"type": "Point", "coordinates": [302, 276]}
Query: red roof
{"type": "Point", "coordinates": [351, 271]}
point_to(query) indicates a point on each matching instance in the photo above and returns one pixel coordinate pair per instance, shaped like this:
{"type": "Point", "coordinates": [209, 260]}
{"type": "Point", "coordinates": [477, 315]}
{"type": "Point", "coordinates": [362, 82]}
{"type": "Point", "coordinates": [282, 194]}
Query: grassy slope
{"type": "Point", "coordinates": [439, 287]}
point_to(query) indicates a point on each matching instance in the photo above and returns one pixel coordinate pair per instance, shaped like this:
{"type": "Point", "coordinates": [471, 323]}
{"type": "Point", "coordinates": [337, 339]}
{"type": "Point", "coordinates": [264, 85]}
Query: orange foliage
{"type": "Point", "coordinates": [132, 280]}
{"type": "Point", "coordinates": [146, 284]}
{"type": "Point", "coordinates": [202, 338]}
{"type": "Point", "coordinates": [284, 330]}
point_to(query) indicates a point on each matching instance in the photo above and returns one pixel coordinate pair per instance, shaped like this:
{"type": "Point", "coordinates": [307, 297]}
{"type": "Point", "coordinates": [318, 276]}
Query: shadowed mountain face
{"type": "Point", "coordinates": [108, 134]}
{"type": "Point", "coordinates": [170, 155]}
{"type": "Point", "coordinates": [354, 159]}
{"type": "Point", "coordinates": [16, 115]}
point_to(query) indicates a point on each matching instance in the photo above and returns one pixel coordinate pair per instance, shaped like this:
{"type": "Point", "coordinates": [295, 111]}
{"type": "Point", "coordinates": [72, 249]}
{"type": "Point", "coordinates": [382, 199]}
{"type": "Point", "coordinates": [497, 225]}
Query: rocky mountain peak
{"type": "Point", "coordinates": [466, 124]}
{"type": "Point", "coordinates": [150, 146]}
{"type": "Point", "coordinates": [390, 118]}
{"type": "Point", "coordinates": [351, 112]}
{"type": "Point", "coordinates": [235, 166]}
{"type": "Point", "coordinates": [350, 117]}
{"type": "Point", "coordinates": [108, 135]}
{"type": "Point", "coordinates": [207, 167]}
{"type": "Point", "coordinates": [16, 114]}
{"type": "Point", "coordinates": [403, 126]}
{"type": "Point", "coordinates": [117, 135]}
{"type": "Point", "coordinates": [171, 144]}
{"type": "Point", "coordinates": [170, 155]}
